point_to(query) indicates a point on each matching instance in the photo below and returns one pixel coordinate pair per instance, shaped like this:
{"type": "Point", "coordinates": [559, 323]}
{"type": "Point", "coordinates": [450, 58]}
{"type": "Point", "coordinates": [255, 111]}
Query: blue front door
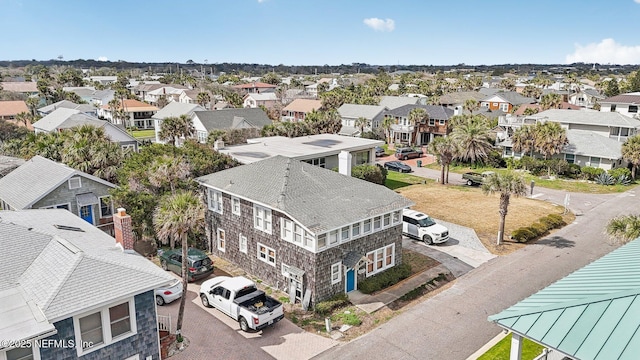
{"type": "Point", "coordinates": [351, 280]}
{"type": "Point", "coordinates": [86, 214]}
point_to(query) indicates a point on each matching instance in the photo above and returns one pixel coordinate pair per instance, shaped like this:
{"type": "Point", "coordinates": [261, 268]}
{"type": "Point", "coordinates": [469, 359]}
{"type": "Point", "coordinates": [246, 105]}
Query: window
{"type": "Point", "coordinates": [355, 230]}
{"type": "Point", "coordinates": [333, 237]}
{"type": "Point", "coordinates": [106, 207]}
{"type": "Point", "coordinates": [243, 244]}
{"type": "Point", "coordinates": [286, 229]}
{"type": "Point", "coordinates": [594, 162]}
{"type": "Point", "coordinates": [366, 227]}
{"type": "Point", "coordinates": [75, 183]}
{"type": "Point", "coordinates": [504, 107]}
{"type": "Point", "coordinates": [336, 273]}
{"type": "Point", "coordinates": [376, 223]}
{"type": "Point", "coordinates": [322, 241]}
{"type": "Point", "coordinates": [432, 122]}
{"type": "Point", "coordinates": [386, 220]}
{"type": "Point", "coordinates": [308, 239]}
{"type": "Point", "coordinates": [633, 108]}
{"type": "Point", "coordinates": [361, 157]}
{"type": "Point", "coordinates": [613, 107]}
{"type": "Point", "coordinates": [570, 158]}
{"type": "Point", "coordinates": [21, 353]}
{"type": "Point", "coordinates": [317, 162]}
{"type": "Point", "coordinates": [202, 137]}
{"type": "Point", "coordinates": [221, 240]}
{"type": "Point", "coordinates": [396, 217]}
{"type": "Point", "coordinates": [380, 259]}
{"type": "Point", "coordinates": [262, 218]}
{"type": "Point", "coordinates": [59, 206]}
{"type": "Point", "coordinates": [215, 201]}
{"type": "Point", "coordinates": [345, 234]}
{"type": "Point", "coordinates": [298, 234]}
{"type": "Point", "coordinates": [104, 327]}
{"type": "Point", "coordinates": [266, 254]}
{"type": "Point", "coordinates": [508, 151]}
{"type": "Point", "coordinates": [495, 104]}
{"type": "Point", "coordinates": [235, 205]}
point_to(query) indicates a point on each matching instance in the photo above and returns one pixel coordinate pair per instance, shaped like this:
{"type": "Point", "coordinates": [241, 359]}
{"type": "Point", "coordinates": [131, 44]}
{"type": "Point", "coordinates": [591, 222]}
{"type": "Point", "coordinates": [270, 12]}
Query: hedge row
{"type": "Point", "coordinates": [385, 279]}
{"type": "Point", "coordinates": [326, 307]}
{"type": "Point", "coordinates": [535, 230]}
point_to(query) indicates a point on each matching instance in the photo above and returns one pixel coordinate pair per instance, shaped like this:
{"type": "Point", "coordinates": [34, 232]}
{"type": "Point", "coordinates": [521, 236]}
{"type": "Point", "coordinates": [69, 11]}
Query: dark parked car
{"type": "Point", "coordinates": [408, 153]}
{"type": "Point", "coordinates": [199, 264]}
{"type": "Point", "coordinates": [379, 151]}
{"type": "Point", "coordinates": [397, 166]}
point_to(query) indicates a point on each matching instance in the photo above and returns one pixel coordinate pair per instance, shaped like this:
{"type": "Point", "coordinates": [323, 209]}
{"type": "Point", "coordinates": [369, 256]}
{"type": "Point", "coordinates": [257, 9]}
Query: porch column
{"type": "Point", "coordinates": [516, 347]}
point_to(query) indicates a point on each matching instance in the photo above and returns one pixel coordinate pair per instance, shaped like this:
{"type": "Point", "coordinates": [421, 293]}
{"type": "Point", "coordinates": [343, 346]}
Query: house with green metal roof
{"type": "Point", "coordinates": [592, 314]}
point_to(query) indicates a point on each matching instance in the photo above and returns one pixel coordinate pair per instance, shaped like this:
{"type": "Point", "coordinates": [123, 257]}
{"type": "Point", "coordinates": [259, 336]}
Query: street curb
{"type": "Point", "coordinates": [488, 345]}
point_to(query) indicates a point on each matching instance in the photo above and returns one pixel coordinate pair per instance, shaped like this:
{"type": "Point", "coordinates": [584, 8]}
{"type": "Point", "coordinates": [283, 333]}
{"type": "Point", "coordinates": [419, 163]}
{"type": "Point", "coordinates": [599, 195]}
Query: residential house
{"type": "Point", "coordinates": [349, 113]}
{"type": "Point", "coordinates": [91, 95]}
{"type": "Point", "coordinates": [308, 231]}
{"type": "Point", "coordinates": [137, 114]}
{"type": "Point", "coordinates": [453, 99]}
{"type": "Point", "coordinates": [8, 164]}
{"type": "Point", "coordinates": [537, 107]}
{"type": "Point", "coordinates": [10, 109]}
{"type": "Point", "coordinates": [63, 187]}
{"type": "Point", "coordinates": [266, 99]}
{"type": "Point", "coordinates": [170, 93]}
{"type": "Point", "coordinates": [69, 291]}
{"type": "Point", "coordinates": [322, 150]}
{"type": "Point", "coordinates": [590, 314]}
{"type": "Point", "coordinates": [625, 104]}
{"type": "Point", "coordinates": [62, 119]}
{"type": "Point", "coordinates": [298, 109]}
{"type": "Point", "coordinates": [88, 109]}
{"type": "Point", "coordinates": [255, 87]}
{"type": "Point", "coordinates": [586, 98]}
{"type": "Point", "coordinates": [505, 101]}
{"type": "Point", "coordinates": [102, 79]}
{"type": "Point", "coordinates": [251, 119]}
{"type": "Point", "coordinates": [436, 124]}
{"type": "Point", "coordinates": [173, 109]}
{"type": "Point", "coordinates": [394, 102]}
{"type": "Point", "coordinates": [29, 88]}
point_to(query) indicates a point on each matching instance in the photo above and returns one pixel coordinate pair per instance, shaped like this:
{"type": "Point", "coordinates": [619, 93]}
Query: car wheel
{"type": "Point", "coordinates": [427, 240]}
{"type": "Point", "coordinates": [159, 300]}
{"type": "Point", "coordinates": [469, 182]}
{"type": "Point", "coordinates": [405, 157]}
{"type": "Point", "coordinates": [163, 263]}
{"type": "Point", "coordinates": [205, 300]}
{"type": "Point", "coordinates": [243, 324]}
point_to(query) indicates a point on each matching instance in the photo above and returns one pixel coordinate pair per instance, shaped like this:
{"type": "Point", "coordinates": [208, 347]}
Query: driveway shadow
{"type": "Point", "coordinates": [557, 242]}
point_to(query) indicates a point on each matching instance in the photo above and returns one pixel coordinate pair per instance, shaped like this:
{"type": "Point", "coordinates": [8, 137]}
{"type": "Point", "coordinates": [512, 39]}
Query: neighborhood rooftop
{"type": "Point", "coordinates": [588, 117]}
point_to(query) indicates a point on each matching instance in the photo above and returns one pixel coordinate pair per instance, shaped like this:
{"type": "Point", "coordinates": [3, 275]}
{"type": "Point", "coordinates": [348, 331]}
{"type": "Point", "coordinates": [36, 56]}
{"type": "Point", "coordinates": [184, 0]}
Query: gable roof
{"type": "Point", "coordinates": [131, 105]}
{"type": "Point", "coordinates": [66, 104]}
{"type": "Point", "coordinates": [229, 118]}
{"type": "Point", "coordinates": [593, 313]}
{"type": "Point", "coordinates": [392, 102]}
{"type": "Point", "coordinates": [588, 143]}
{"type": "Point", "coordinates": [563, 106]}
{"type": "Point", "coordinates": [81, 260]}
{"type": "Point", "coordinates": [630, 98]}
{"type": "Point", "coordinates": [25, 185]}
{"type": "Point", "coordinates": [460, 97]}
{"type": "Point", "coordinates": [175, 108]}
{"type": "Point", "coordinates": [588, 117]}
{"type": "Point", "coordinates": [303, 105]}
{"type": "Point", "coordinates": [266, 96]}
{"type": "Point", "coordinates": [436, 112]}
{"type": "Point", "coordinates": [62, 118]}
{"type": "Point", "coordinates": [511, 97]}
{"type": "Point", "coordinates": [8, 108]}
{"type": "Point", "coordinates": [303, 191]}
{"type": "Point", "coordinates": [255, 84]}
{"type": "Point", "coordinates": [354, 111]}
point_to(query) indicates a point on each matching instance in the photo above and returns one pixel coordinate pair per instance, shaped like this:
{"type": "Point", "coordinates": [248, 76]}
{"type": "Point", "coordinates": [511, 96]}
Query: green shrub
{"type": "Point", "coordinates": [385, 279]}
{"type": "Point", "coordinates": [618, 172]}
{"type": "Point", "coordinates": [590, 173]}
{"type": "Point", "coordinates": [547, 222]}
{"type": "Point", "coordinates": [573, 172]}
{"type": "Point", "coordinates": [539, 228]}
{"type": "Point", "coordinates": [557, 219]}
{"type": "Point", "coordinates": [326, 307]}
{"type": "Point", "coordinates": [522, 235]}
{"type": "Point", "coordinates": [372, 173]}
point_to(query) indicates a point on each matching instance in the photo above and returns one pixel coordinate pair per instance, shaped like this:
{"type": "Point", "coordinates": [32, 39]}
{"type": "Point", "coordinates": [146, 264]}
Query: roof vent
{"type": "Point", "coordinates": [69, 228]}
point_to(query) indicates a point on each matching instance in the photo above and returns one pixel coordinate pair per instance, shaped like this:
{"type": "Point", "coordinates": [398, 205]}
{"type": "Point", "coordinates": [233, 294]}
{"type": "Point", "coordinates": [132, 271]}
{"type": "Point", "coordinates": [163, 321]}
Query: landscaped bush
{"type": "Point", "coordinates": [494, 160]}
{"type": "Point", "coordinates": [326, 307]}
{"type": "Point", "coordinates": [605, 179]}
{"type": "Point", "coordinates": [540, 228]}
{"type": "Point", "coordinates": [617, 172]}
{"type": "Point", "coordinates": [385, 279]}
{"type": "Point", "coordinates": [522, 235]}
{"type": "Point", "coordinates": [590, 173]}
{"type": "Point", "coordinates": [557, 220]}
{"type": "Point", "coordinates": [573, 172]}
{"type": "Point", "coordinates": [548, 222]}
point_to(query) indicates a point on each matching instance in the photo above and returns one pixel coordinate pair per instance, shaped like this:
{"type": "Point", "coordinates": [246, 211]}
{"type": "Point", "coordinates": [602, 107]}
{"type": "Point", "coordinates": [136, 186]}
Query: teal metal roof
{"type": "Point", "coordinates": [593, 313]}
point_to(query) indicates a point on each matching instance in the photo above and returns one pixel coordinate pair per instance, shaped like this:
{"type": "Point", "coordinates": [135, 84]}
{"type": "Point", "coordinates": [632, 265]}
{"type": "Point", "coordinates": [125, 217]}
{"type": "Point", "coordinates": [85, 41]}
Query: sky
{"type": "Point", "coordinates": [318, 32]}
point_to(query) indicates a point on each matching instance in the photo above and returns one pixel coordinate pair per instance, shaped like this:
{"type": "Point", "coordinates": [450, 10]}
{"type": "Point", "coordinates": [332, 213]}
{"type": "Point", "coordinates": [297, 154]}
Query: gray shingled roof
{"type": "Point", "coordinates": [66, 104]}
{"type": "Point", "coordinates": [354, 111]}
{"type": "Point", "coordinates": [460, 97]}
{"type": "Point", "coordinates": [393, 102]}
{"type": "Point", "coordinates": [224, 118]}
{"type": "Point", "coordinates": [63, 118]}
{"type": "Point", "coordinates": [82, 260]}
{"type": "Point", "coordinates": [176, 109]}
{"type": "Point", "coordinates": [25, 185]}
{"type": "Point", "coordinates": [512, 98]}
{"type": "Point", "coordinates": [436, 112]}
{"type": "Point", "coordinates": [588, 117]}
{"type": "Point", "coordinates": [320, 199]}
{"type": "Point", "coordinates": [588, 143]}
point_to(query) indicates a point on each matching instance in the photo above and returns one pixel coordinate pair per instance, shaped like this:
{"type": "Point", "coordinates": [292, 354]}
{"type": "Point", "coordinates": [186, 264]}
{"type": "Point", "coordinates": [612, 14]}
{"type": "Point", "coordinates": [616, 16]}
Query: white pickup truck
{"type": "Point", "coordinates": [239, 298]}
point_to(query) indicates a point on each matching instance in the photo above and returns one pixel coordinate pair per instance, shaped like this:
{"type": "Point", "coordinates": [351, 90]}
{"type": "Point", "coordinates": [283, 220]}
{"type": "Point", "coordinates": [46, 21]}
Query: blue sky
{"type": "Point", "coordinates": [317, 32]}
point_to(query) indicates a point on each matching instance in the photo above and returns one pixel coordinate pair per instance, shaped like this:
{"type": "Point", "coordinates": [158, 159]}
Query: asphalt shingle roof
{"type": "Point", "coordinates": [512, 98]}
{"type": "Point", "coordinates": [588, 117]}
{"type": "Point", "coordinates": [592, 314]}
{"type": "Point", "coordinates": [393, 102]}
{"type": "Point", "coordinates": [318, 198]}
{"type": "Point", "coordinates": [176, 109]}
{"type": "Point", "coordinates": [436, 112]}
{"type": "Point", "coordinates": [224, 118]}
{"type": "Point", "coordinates": [355, 111]}
{"type": "Point", "coordinates": [588, 143]}
{"type": "Point", "coordinates": [66, 104]}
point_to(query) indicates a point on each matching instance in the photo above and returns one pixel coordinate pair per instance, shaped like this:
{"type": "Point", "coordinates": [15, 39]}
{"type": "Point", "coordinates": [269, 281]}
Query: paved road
{"type": "Point", "coordinates": [453, 324]}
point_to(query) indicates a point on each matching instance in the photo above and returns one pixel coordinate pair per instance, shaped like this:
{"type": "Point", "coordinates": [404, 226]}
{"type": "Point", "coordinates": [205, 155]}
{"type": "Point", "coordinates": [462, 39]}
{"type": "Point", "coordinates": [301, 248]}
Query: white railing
{"type": "Point", "coordinates": [164, 323]}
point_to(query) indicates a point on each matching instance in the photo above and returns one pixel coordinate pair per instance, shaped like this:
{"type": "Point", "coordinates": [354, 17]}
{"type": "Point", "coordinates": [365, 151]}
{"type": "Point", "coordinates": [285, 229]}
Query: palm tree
{"type": "Point", "coordinates": [361, 123]}
{"type": "Point", "coordinates": [550, 101]}
{"type": "Point", "coordinates": [631, 153]}
{"type": "Point", "coordinates": [506, 184]}
{"type": "Point", "coordinates": [444, 148]}
{"type": "Point", "coordinates": [472, 140]}
{"type": "Point", "coordinates": [550, 139]}
{"type": "Point", "coordinates": [387, 122]}
{"type": "Point", "coordinates": [203, 98]}
{"type": "Point", "coordinates": [177, 216]}
{"type": "Point", "coordinates": [524, 140]}
{"type": "Point", "coordinates": [416, 116]}
{"type": "Point", "coordinates": [23, 117]}
{"type": "Point", "coordinates": [471, 105]}
{"type": "Point", "coordinates": [173, 127]}
{"type": "Point", "coordinates": [624, 228]}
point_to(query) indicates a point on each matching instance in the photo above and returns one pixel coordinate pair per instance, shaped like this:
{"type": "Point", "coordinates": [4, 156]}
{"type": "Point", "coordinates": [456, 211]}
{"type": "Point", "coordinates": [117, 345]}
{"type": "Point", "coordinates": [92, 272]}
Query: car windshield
{"type": "Point", "coordinates": [426, 222]}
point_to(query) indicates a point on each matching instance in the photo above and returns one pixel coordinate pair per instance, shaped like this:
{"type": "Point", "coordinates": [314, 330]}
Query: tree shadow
{"type": "Point", "coordinates": [557, 242]}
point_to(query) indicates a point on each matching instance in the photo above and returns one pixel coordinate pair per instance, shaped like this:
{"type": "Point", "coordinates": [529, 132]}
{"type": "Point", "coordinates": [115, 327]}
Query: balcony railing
{"type": "Point", "coordinates": [402, 128]}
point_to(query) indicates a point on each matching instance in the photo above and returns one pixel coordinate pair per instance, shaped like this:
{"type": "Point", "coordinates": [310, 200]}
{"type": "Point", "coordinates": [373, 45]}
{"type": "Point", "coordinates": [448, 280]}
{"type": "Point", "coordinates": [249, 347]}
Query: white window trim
{"type": "Point", "coordinates": [106, 327]}
{"type": "Point", "coordinates": [375, 260]}
{"type": "Point", "coordinates": [326, 241]}
{"type": "Point", "coordinates": [214, 198]}
{"type": "Point", "coordinates": [55, 206]}
{"type": "Point", "coordinates": [100, 205]}
{"type": "Point", "coordinates": [78, 178]}
{"type": "Point", "coordinates": [243, 249]}
{"type": "Point", "coordinates": [266, 258]}
{"type": "Point", "coordinates": [266, 214]}
{"type": "Point", "coordinates": [219, 243]}
{"type": "Point", "coordinates": [35, 350]}
{"type": "Point", "coordinates": [336, 269]}
{"type": "Point", "coordinates": [233, 201]}
{"type": "Point", "coordinates": [334, 234]}
{"type": "Point", "coordinates": [286, 229]}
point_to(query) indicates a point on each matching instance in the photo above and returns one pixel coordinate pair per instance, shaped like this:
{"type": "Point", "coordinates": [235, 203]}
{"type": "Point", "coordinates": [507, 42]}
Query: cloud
{"type": "Point", "coordinates": [607, 51]}
{"type": "Point", "coordinates": [261, 1]}
{"type": "Point", "coordinates": [381, 25]}
{"type": "Point", "coordinates": [637, 1]}
{"type": "Point", "coordinates": [103, 58]}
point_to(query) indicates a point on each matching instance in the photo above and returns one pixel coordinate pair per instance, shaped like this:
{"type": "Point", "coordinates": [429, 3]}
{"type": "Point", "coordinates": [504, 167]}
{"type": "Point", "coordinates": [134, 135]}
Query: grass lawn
{"type": "Point", "coordinates": [500, 351]}
{"type": "Point", "coordinates": [143, 134]}
{"type": "Point", "coordinates": [580, 186]}
{"type": "Point", "coordinates": [397, 180]}
{"type": "Point", "coordinates": [468, 206]}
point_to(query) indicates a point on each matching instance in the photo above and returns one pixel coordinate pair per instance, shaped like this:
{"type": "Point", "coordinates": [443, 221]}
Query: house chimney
{"type": "Point", "coordinates": [122, 228]}
{"type": "Point", "coordinates": [344, 163]}
{"type": "Point", "coordinates": [457, 110]}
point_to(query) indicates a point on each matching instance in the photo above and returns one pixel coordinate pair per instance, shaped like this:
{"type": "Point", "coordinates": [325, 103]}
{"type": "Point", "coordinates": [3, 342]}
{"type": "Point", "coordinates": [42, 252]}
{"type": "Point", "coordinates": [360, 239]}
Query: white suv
{"type": "Point", "coordinates": [420, 226]}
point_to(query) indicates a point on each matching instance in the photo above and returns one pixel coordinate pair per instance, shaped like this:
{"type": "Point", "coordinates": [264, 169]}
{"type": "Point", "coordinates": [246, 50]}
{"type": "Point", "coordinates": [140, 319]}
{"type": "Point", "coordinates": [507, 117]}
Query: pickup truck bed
{"type": "Point", "coordinates": [257, 302]}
